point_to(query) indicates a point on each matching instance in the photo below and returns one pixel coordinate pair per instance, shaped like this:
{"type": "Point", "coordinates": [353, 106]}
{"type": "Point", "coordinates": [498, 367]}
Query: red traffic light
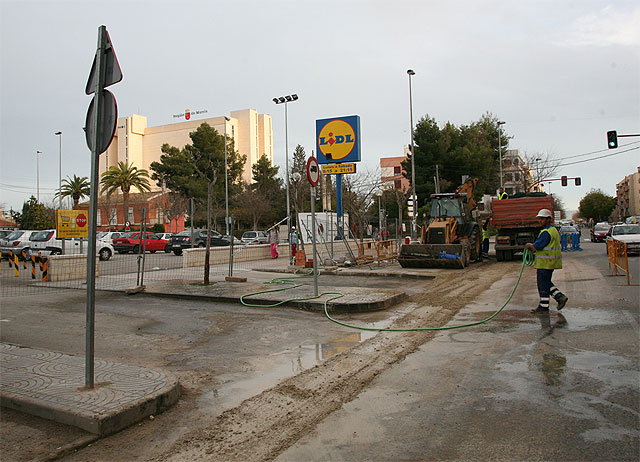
{"type": "Point", "coordinates": [578, 181]}
{"type": "Point", "coordinates": [563, 180]}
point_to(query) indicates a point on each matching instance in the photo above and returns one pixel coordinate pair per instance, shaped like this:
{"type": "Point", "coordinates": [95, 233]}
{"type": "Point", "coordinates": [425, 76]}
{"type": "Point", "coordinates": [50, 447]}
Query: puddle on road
{"type": "Point", "coordinates": [290, 362]}
{"type": "Point", "coordinates": [519, 318]}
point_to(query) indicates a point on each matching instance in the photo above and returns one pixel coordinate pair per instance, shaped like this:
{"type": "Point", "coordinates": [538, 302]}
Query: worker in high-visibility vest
{"type": "Point", "coordinates": [548, 258]}
{"type": "Point", "coordinates": [485, 239]}
{"type": "Point", "coordinates": [502, 195]}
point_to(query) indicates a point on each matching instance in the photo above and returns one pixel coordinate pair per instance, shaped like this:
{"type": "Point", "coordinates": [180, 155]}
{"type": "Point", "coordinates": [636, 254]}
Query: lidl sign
{"type": "Point", "coordinates": [338, 139]}
{"type": "Point", "coordinates": [338, 169]}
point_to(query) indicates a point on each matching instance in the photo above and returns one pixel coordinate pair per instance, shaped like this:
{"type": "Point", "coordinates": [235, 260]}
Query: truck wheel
{"type": "Point", "coordinates": [508, 255]}
{"type": "Point", "coordinates": [475, 241]}
{"type": "Point", "coordinates": [500, 255]}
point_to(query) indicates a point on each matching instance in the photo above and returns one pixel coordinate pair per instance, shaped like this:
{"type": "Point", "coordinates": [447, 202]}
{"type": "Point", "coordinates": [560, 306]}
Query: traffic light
{"type": "Point", "coordinates": [612, 139]}
{"type": "Point", "coordinates": [578, 181]}
{"type": "Point", "coordinates": [563, 180]}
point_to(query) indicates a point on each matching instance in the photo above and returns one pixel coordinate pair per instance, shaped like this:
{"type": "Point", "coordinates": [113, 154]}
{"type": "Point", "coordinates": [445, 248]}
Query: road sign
{"type": "Point", "coordinates": [112, 72]}
{"type": "Point", "coordinates": [81, 220]}
{"type": "Point", "coordinates": [335, 169]}
{"type": "Point", "coordinates": [313, 171]}
{"type": "Point", "coordinates": [109, 121]}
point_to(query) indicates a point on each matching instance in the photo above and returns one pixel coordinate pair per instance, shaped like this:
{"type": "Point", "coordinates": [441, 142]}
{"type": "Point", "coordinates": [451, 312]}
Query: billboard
{"type": "Point", "coordinates": [338, 139]}
{"type": "Point", "coordinates": [71, 223]}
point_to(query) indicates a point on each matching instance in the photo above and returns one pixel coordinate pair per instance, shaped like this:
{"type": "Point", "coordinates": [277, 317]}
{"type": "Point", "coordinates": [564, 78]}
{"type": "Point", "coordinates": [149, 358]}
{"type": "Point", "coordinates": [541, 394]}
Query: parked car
{"type": "Point", "coordinates": [630, 234]}
{"type": "Point", "coordinates": [47, 243]}
{"type": "Point", "coordinates": [166, 236]}
{"type": "Point", "coordinates": [182, 240]}
{"type": "Point", "coordinates": [16, 242]}
{"type": "Point", "coordinates": [131, 242]}
{"type": "Point", "coordinates": [4, 233]}
{"type": "Point", "coordinates": [254, 237]}
{"type": "Point", "coordinates": [599, 232]}
{"type": "Point", "coordinates": [108, 236]}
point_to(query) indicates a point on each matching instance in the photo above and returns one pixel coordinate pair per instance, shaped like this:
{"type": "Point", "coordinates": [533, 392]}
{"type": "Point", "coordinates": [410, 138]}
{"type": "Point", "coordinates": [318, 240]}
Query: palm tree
{"type": "Point", "coordinates": [123, 177]}
{"type": "Point", "coordinates": [77, 188]}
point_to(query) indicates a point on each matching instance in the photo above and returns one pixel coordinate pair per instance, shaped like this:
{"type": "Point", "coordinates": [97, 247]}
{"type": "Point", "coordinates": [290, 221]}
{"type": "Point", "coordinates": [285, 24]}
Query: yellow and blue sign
{"type": "Point", "coordinates": [338, 139]}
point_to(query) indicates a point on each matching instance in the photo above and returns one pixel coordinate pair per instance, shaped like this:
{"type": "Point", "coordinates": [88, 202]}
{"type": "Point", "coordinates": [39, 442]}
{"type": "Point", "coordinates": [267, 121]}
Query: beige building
{"type": "Point", "coordinates": [391, 173]}
{"type": "Point", "coordinates": [628, 195]}
{"type": "Point", "coordinates": [136, 143]}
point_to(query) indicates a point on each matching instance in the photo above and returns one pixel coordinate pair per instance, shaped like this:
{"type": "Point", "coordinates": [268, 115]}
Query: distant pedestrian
{"type": "Point", "coordinates": [548, 258]}
{"type": "Point", "coordinates": [374, 235]}
{"type": "Point", "coordinates": [293, 238]}
{"type": "Point", "coordinates": [274, 240]}
{"type": "Point", "coordinates": [502, 195]}
{"type": "Point", "coordinates": [485, 239]}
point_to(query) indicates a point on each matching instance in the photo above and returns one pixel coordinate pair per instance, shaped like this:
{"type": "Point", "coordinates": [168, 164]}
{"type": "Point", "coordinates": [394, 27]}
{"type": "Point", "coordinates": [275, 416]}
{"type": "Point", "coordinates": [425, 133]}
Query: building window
{"type": "Point", "coordinates": [113, 218]}
{"type": "Point", "coordinates": [130, 217]}
{"type": "Point", "coordinates": [98, 218]}
{"type": "Point", "coordinates": [397, 184]}
{"type": "Point", "coordinates": [397, 170]}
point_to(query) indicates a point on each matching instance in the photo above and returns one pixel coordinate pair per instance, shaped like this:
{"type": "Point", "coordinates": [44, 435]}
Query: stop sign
{"type": "Point", "coordinates": [81, 220]}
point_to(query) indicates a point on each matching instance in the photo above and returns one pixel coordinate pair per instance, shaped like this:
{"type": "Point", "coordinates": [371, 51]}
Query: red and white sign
{"type": "Point", "coordinates": [81, 220]}
{"type": "Point", "coordinates": [313, 171]}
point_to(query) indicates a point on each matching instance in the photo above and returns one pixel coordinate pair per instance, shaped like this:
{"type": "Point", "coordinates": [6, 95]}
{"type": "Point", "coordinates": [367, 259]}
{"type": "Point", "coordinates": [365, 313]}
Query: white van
{"type": "Point", "coordinates": [47, 243]}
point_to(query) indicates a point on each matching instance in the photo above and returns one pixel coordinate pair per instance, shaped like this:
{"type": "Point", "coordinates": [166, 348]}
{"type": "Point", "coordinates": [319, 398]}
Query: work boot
{"type": "Point", "coordinates": [540, 310]}
{"type": "Point", "coordinates": [562, 302]}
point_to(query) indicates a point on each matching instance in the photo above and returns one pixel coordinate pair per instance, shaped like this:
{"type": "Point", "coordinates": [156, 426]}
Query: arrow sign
{"type": "Point", "coordinates": [112, 73]}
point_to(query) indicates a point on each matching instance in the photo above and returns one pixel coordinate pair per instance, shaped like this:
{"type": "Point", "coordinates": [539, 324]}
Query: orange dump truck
{"type": "Point", "coordinates": [516, 222]}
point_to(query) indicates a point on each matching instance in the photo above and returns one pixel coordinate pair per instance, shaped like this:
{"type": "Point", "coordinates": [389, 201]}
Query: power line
{"type": "Point", "coordinates": [599, 157]}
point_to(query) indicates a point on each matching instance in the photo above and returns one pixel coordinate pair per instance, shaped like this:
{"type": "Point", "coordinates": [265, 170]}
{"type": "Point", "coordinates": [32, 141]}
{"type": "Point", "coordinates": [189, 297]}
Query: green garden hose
{"type": "Point", "coordinates": [527, 260]}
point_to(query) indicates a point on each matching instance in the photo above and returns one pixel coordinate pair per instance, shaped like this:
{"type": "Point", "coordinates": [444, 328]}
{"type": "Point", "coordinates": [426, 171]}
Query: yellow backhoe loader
{"type": "Point", "coordinates": [451, 238]}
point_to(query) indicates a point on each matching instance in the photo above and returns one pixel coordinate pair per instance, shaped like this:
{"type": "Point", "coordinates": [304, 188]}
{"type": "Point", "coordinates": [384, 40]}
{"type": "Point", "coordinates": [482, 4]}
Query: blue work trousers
{"type": "Point", "coordinates": [546, 287]}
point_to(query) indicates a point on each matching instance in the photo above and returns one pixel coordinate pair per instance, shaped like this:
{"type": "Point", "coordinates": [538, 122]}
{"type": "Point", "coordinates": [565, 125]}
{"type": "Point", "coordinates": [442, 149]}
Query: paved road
{"type": "Point", "coordinates": [559, 387]}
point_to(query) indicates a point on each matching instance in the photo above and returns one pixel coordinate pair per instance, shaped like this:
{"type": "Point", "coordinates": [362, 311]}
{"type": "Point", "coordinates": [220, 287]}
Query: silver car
{"type": "Point", "coordinates": [16, 242]}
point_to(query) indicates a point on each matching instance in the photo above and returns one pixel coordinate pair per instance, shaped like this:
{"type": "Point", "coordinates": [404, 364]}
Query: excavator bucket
{"type": "Point", "coordinates": [434, 255]}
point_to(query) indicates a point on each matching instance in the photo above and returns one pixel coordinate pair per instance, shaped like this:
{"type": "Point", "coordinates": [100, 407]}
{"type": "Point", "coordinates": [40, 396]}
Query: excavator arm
{"type": "Point", "coordinates": [468, 188]}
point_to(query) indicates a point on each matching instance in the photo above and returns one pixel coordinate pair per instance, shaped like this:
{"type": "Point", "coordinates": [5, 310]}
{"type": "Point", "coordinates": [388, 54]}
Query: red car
{"type": "Point", "coordinates": [599, 232]}
{"type": "Point", "coordinates": [130, 242]}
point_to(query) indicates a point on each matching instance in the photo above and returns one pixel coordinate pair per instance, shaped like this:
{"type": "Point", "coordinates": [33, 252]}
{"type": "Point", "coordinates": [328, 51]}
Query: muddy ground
{"type": "Point", "coordinates": [259, 427]}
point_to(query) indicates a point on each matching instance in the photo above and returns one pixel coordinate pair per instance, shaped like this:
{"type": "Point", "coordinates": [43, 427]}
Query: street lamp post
{"type": "Point", "coordinates": [38, 174]}
{"type": "Point", "coordinates": [226, 178]}
{"type": "Point", "coordinates": [280, 100]}
{"type": "Point", "coordinates": [59, 134]}
{"type": "Point", "coordinates": [414, 199]}
{"type": "Point", "coordinates": [500, 150]}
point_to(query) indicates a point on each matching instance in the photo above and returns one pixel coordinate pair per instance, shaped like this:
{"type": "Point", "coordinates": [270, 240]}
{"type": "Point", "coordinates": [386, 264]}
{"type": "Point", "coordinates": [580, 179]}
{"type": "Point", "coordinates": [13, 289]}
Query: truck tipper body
{"type": "Point", "coordinates": [516, 222]}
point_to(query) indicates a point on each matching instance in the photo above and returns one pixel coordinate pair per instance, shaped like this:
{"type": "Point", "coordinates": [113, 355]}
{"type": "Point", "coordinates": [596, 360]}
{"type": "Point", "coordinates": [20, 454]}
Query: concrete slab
{"type": "Point", "coordinates": [50, 385]}
{"type": "Point", "coordinates": [351, 299]}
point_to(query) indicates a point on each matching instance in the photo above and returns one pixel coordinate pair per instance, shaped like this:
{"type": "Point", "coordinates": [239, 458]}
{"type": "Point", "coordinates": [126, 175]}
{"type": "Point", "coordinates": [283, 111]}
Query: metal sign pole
{"type": "Point", "coordinates": [313, 234]}
{"type": "Point", "coordinates": [93, 211]}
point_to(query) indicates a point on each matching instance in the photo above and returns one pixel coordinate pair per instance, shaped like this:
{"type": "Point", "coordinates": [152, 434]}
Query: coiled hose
{"type": "Point", "coordinates": [527, 260]}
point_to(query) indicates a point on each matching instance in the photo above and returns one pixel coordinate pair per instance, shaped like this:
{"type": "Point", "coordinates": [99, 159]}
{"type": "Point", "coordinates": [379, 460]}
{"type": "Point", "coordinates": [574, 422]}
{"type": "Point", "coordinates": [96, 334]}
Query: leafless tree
{"type": "Point", "coordinates": [537, 166]}
{"type": "Point", "coordinates": [359, 193]}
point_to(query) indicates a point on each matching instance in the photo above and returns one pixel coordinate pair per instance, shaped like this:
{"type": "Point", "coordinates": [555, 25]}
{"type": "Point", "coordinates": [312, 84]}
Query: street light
{"type": "Point", "coordinates": [410, 72]}
{"type": "Point", "coordinates": [38, 174]}
{"type": "Point", "coordinates": [60, 170]}
{"type": "Point", "coordinates": [500, 150]}
{"type": "Point", "coordinates": [226, 177]}
{"type": "Point", "coordinates": [280, 100]}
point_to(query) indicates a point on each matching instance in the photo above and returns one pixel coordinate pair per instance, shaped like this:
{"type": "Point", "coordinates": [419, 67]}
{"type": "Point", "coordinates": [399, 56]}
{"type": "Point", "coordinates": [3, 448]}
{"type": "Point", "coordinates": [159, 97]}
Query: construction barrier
{"type": "Point", "coordinates": [570, 239]}
{"type": "Point", "coordinates": [377, 251]}
{"type": "Point", "coordinates": [618, 257]}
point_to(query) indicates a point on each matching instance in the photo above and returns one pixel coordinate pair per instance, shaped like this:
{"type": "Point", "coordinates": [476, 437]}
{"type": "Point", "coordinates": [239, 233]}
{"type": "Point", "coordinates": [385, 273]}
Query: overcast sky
{"type": "Point", "coordinates": [559, 73]}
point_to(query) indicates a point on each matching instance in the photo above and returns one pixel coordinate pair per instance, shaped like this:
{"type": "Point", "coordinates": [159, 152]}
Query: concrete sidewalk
{"type": "Point", "coordinates": [51, 385]}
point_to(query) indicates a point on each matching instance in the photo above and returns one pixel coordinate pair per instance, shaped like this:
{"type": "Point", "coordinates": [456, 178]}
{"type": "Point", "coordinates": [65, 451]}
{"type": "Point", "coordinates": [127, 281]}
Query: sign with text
{"type": "Point", "coordinates": [338, 139]}
{"type": "Point", "coordinates": [72, 223]}
{"type": "Point", "coordinates": [338, 169]}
